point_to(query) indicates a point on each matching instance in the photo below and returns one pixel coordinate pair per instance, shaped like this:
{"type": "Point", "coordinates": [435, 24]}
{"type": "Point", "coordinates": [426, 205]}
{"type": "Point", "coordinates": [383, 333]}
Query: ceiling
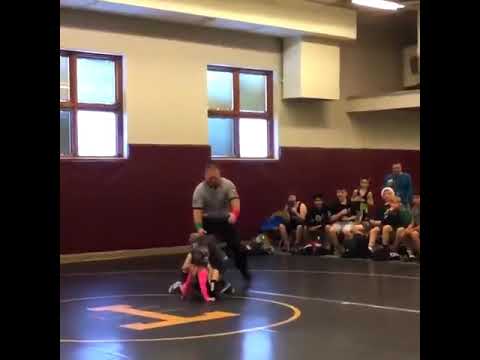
{"type": "Point", "coordinates": [410, 4]}
{"type": "Point", "coordinates": [397, 20]}
{"type": "Point", "coordinates": [404, 19]}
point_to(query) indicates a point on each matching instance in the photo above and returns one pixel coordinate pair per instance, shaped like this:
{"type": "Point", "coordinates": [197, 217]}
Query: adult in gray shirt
{"type": "Point", "coordinates": [216, 208]}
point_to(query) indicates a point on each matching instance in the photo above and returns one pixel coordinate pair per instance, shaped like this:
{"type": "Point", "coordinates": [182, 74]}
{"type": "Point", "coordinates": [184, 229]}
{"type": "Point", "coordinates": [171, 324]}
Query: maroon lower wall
{"type": "Point", "coordinates": [145, 201]}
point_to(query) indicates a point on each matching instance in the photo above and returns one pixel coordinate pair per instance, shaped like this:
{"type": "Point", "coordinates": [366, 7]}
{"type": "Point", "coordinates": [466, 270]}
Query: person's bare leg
{"type": "Point", "coordinates": [287, 248]}
{"type": "Point", "coordinates": [283, 236]}
{"type": "Point", "coordinates": [214, 275]}
{"type": "Point", "coordinates": [408, 241]}
{"type": "Point", "coordinates": [399, 236]}
{"type": "Point", "coordinates": [386, 233]}
{"type": "Point", "coordinates": [334, 240]}
{"type": "Point", "coordinates": [347, 234]}
{"type": "Point", "coordinates": [298, 235]}
{"type": "Point", "coordinates": [328, 240]}
{"type": "Point", "coordinates": [288, 240]}
{"type": "Point", "coordinates": [307, 235]}
{"type": "Point", "coordinates": [358, 229]}
{"type": "Point", "coordinates": [415, 236]}
{"type": "Point", "coordinates": [372, 238]}
{"type": "Point", "coordinates": [332, 234]}
{"type": "Point", "coordinates": [351, 231]}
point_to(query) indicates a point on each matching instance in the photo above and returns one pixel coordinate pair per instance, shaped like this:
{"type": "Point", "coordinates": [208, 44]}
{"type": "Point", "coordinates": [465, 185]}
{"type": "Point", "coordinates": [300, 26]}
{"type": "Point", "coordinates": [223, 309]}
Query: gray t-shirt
{"type": "Point", "coordinates": [215, 202]}
{"type": "Point", "coordinates": [416, 215]}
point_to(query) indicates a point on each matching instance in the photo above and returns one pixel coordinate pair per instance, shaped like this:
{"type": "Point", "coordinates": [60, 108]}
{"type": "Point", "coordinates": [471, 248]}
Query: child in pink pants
{"type": "Point", "coordinates": [199, 272]}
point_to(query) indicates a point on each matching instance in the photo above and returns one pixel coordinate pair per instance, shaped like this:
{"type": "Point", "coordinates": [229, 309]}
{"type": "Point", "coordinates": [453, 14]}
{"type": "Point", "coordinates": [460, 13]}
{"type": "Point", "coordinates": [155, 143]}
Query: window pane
{"type": "Point", "coordinates": [253, 92]}
{"type": "Point", "coordinates": [253, 138]}
{"type": "Point", "coordinates": [220, 90]}
{"type": "Point", "coordinates": [97, 133]}
{"type": "Point", "coordinates": [64, 79]}
{"type": "Point", "coordinates": [220, 136]}
{"type": "Point", "coordinates": [96, 81]}
{"type": "Point", "coordinates": [65, 133]}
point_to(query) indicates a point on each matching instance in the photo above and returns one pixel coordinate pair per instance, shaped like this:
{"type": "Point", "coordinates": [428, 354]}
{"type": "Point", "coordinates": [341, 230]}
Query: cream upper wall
{"type": "Point", "coordinates": [165, 69]}
{"type": "Point", "coordinates": [371, 65]}
{"type": "Point", "coordinates": [166, 91]}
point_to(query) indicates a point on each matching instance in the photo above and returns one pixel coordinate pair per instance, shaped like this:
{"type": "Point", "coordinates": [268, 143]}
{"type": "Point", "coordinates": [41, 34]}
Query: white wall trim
{"type": "Point", "coordinates": [408, 99]}
{"type": "Point", "coordinates": [122, 254]}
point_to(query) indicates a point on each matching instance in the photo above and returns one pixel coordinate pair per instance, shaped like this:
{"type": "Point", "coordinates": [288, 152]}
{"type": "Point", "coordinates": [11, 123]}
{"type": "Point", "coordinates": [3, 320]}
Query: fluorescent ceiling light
{"type": "Point", "coordinates": [379, 4]}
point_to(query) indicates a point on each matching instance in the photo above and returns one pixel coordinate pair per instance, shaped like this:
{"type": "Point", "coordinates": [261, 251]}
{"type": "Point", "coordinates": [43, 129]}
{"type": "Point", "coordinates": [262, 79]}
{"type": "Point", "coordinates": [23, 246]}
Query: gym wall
{"type": "Point", "coordinates": [145, 201]}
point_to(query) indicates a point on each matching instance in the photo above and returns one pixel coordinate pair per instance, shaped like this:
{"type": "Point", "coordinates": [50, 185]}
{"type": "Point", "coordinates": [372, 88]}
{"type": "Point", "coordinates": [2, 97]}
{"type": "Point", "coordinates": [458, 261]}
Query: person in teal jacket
{"type": "Point", "coordinates": [401, 182]}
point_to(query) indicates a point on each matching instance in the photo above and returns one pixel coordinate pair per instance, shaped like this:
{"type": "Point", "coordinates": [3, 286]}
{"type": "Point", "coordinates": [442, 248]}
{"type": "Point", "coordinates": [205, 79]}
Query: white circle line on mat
{"type": "Point", "coordinates": [334, 301]}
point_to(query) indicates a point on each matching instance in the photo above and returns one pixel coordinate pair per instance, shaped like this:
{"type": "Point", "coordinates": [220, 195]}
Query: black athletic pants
{"type": "Point", "coordinates": [225, 231]}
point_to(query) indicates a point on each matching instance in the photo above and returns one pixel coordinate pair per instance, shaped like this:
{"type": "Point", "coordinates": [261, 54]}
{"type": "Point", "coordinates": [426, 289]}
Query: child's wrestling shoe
{"type": "Point", "coordinates": [175, 288]}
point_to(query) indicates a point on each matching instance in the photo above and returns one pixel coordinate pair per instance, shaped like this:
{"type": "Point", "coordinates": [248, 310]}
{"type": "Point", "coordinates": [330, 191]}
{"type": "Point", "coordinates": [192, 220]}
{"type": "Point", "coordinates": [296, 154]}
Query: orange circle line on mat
{"type": "Point", "coordinates": [296, 313]}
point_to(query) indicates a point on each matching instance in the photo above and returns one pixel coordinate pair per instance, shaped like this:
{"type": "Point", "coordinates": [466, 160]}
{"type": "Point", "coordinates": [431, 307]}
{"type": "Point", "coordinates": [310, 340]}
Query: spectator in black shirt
{"type": "Point", "coordinates": [341, 219]}
{"type": "Point", "coordinates": [317, 218]}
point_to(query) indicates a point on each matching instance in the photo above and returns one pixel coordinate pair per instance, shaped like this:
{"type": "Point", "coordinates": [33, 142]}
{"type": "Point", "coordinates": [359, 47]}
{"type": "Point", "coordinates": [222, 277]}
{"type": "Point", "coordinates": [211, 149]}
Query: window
{"type": "Point", "coordinates": [91, 117]}
{"type": "Point", "coordinates": [240, 112]}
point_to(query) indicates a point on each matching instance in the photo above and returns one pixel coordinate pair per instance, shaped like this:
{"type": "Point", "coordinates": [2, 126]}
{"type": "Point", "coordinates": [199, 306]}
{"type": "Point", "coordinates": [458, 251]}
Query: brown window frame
{"type": "Point", "coordinates": [73, 106]}
{"type": "Point", "coordinates": [236, 113]}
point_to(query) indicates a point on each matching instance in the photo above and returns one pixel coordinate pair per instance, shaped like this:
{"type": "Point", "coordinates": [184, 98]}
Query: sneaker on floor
{"type": "Point", "coordinates": [370, 252]}
{"type": "Point", "coordinates": [410, 255]}
{"type": "Point", "coordinates": [394, 255]}
{"type": "Point", "coordinates": [175, 287]}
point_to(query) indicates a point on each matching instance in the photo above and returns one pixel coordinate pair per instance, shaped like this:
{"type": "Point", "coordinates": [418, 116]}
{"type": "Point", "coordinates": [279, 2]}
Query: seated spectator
{"type": "Point", "coordinates": [341, 220]}
{"type": "Point", "coordinates": [271, 226]}
{"type": "Point", "coordinates": [317, 218]}
{"type": "Point", "coordinates": [297, 212]}
{"type": "Point", "coordinates": [362, 200]}
{"type": "Point", "coordinates": [411, 235]}
{"type": "Point", "coordinates": [392, 220]}
{"type": "Point", "coordinates": [272, 223]}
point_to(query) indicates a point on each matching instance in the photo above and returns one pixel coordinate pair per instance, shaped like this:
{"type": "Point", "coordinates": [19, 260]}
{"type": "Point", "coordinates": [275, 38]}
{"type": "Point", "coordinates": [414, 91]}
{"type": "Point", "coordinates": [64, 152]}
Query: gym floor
{"type": "Point", "coordinates": [298, 307]}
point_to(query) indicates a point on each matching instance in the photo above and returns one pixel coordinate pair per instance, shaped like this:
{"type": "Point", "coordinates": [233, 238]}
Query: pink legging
{"type": "Point", "coordinates": [202, 275]}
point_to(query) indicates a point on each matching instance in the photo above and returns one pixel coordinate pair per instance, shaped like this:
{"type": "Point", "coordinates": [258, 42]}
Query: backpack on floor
{"type": "Point", "coordinates": [356, 247]}
{"type": "Point", "coordinates": [381, 254]}
{"type": "Point", "coordinates": [260, 245]}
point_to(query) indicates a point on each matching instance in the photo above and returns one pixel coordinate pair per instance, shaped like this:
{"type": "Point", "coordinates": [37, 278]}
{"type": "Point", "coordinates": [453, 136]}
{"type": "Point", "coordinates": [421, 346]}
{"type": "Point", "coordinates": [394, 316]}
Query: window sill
{"type": "Point", "coordinates": [245, 159]}
{"type": "Point", "coordinates": [92, 159]}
